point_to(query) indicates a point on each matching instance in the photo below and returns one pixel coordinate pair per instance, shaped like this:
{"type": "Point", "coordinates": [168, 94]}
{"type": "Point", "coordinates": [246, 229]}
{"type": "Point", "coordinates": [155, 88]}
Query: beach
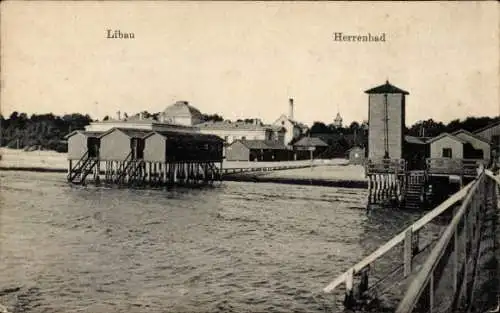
{"type": "Point", "coordinates": [334, 172]}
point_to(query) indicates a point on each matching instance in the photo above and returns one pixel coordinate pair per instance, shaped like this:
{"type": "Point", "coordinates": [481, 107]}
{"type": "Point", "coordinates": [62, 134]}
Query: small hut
{"type": "Point", "coordinates": [80, 142]}
{"type": "Point", "coordinates": [120, 144]}
{"type": "Point", "coordinates": [257, 150]}
{"type": "Point", "coordinates": [309, 147]}
{"type": "Point", "coordinates": [356, 155]}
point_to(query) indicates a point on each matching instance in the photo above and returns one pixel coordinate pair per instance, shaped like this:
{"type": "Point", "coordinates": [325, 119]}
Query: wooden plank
{"type": "Point", "coordinates": [408, 252]}
{"type": "Point", "coordinates": [400, 237]}
{"type": "Point", "coordinates": [426, 272]}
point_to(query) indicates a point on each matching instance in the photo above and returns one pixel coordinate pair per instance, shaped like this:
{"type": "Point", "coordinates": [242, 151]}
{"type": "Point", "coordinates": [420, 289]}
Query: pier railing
{"type": "Point", "coordinates": [435, 274]}
{"type": "Point", "coordinates": [235, 170]}
{"type": "Point", "coordinates": [446, 280]}
{"type": "Point", "coordinates": [451, 166]}
{"type": "Point", "coordinates": [400, 253]}
{"type": "Point", "coordinates": [385, 166]}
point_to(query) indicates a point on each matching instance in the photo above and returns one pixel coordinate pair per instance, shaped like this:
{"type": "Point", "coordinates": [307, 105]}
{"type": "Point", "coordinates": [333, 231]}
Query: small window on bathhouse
{"type": "Point", "coordinates": [446, 152]}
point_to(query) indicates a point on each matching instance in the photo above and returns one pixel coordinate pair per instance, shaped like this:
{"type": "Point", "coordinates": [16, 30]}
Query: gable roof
{"type": "Point", "coordinates": [310, 142]}
{"type": "Point", "coordinates": [417, 140]}
{"type": "Point", "coordinates": [261, 144]}
{"type": "Point", "coordinates": [131, 132]}
{"type": "Point", "coordinates": [86, 133]}
{"type": "Point", "coordinates": [442, 135]}
{"type": "Point", "coordinates": [487, 127]}
{"type": "Point", "coordinates": [463, 131]}
{"type": "Point", "coordinates": [386, 88]}
{"type": "Point", "coordinates": [284, 117]}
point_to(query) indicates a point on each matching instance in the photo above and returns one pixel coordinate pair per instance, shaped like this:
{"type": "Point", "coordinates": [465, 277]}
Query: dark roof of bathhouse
{"type": "Point", "coordinates": [91, 134]}
{"type": "Point", "coordinates": [470, 134]}
{"type": "Point", "coordinates": [310, 142]}
{"type": "Point", "coordinates": [131, 132]}
{"type": "Point", "coordinates": [186, 135]}
{"type": "Point", "coordinates": [487, 127]}
{"type": "Point", "coordinates": [442, 135]}
{"type": "Point", "coordinates": [386, 88]}
{"type": "Point", "coordinates": [262, 144]}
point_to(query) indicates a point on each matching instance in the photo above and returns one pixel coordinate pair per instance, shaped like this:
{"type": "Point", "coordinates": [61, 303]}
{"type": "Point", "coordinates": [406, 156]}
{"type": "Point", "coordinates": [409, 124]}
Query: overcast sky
{"type": "Point", "coordinates": [246, 59]}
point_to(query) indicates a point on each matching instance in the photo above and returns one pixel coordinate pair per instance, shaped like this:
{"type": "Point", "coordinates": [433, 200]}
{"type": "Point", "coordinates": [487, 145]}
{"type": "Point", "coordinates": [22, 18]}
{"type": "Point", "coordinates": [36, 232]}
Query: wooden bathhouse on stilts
{"type": "Point", "coordinates": [144, 157]}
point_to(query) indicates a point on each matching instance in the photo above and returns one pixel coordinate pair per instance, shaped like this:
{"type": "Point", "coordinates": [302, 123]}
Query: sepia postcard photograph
{"type": "Point", "coordinates": [249, 156]}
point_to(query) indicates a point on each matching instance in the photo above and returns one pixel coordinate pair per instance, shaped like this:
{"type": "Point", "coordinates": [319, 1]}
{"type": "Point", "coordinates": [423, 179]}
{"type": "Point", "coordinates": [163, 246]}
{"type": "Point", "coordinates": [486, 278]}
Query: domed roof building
{"type": "Point", "coordinates": [181, 113]}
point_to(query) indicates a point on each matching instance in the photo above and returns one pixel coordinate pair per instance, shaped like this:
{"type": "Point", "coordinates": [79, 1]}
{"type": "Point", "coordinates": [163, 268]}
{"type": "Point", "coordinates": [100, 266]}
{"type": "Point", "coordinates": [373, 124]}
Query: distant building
{"type": "Point", "coordinates": [415, 151]}
{"type": "Point", "coordinates": [257, 150]}
{"type": "Point", "coordinates": [308, 146]}
{"type": "Point", "coordinates": [136, 122]}
{"type": "Point", "coordinates": [481, 147]}
{"type": "Point", "coordinates": [386, 122]}
{"type": "Point", "coordinates": [356, 155]}
{"type": "Point", "coordinates": [457, 147]}
{"type": "Point", "coordinates": [181, 113]}
{"type": "Point", "coordinates": [231, 131]}
{"type": "Point", "coordinates": [293, 128]}
{"type": "Point", "coordinates": [491, 133]}
{"type": "Point", "coordinates": [338, 121]}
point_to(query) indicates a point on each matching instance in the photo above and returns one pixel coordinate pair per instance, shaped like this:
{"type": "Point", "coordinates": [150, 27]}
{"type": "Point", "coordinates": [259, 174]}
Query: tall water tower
{"type": "Point", "coordinates": [386, 121]}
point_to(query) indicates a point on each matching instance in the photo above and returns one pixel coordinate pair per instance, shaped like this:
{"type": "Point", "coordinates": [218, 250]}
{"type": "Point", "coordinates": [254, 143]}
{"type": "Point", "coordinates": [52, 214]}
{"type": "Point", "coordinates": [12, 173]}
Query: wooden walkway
{"type": "Point", "coordinates": [428, 275]}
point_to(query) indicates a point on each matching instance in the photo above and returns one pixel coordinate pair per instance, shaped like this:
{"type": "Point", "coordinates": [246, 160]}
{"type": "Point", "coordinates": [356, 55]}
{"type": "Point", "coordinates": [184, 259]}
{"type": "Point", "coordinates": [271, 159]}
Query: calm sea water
{"type": "Point", "coordinates": [240, 247]}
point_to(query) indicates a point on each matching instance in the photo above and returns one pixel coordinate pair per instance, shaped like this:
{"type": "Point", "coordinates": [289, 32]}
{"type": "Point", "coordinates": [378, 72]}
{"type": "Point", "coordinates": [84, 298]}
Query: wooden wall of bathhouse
{"type": "Point", "coordinates": [155, 148]}
{"type": "Point", "coordinates": [77, 146]}
{"type": "Point", "coordinates": [447, 142]}
{"type": "Point", "coordinates": [186, 148]}
{"type": "Point", "coordinates": [115, 146]}
{"type": "Point", "coordinates": [477, 144]}
{"type": "Point", "coordinates": [490, 132]}
{"type": "Point", "coordinates": [237, 152]}
{"type": "Point", "coordinates": [395, 114]}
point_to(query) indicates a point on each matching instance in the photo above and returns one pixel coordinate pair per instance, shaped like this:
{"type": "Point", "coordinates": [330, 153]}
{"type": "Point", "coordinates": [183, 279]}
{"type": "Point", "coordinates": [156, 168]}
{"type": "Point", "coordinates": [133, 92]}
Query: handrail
{"type": "Point", "coordinates": [265, 168]}
{"type": "Point", "coordinates": [78, 165]}
{"type": "Point", "coordinates": [419, 283]}
{"type": "Point", "coordinates": [398, 238]}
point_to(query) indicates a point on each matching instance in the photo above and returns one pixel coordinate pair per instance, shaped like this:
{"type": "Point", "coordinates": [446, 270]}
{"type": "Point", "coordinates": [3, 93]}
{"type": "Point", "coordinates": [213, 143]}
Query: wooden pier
{"type": "Point", "coordinates": [390, 182]}
{"type": "Point", "coordinates": [434, 274]}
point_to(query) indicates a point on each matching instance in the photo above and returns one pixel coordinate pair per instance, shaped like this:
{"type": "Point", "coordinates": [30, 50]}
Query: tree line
{"type": "Point", "coordinates": [47, 131]}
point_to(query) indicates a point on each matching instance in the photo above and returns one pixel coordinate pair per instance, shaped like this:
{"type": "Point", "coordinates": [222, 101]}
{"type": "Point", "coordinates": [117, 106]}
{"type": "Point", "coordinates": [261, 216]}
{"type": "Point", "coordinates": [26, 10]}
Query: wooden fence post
{"type": "Point", "coordinates": [408, 252]}
{"type": "Point", "coordinates": [349, 301]}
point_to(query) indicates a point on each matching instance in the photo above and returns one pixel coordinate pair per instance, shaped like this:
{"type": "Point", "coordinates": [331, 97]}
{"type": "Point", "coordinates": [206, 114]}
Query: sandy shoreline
{"type": "Point", "coordinates": [334, 172]}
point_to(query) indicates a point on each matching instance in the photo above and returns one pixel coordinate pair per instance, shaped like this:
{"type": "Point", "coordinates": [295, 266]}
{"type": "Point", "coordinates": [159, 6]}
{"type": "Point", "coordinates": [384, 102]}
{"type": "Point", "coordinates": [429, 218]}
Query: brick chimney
{"type": "Point", "coordinates": [118, 115]}
{"type": "Point", "coordinates": [290, 112]}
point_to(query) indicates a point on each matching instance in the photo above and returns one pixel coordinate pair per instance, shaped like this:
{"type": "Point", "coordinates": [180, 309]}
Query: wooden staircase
{"type": "Point", "coordinates": [415, 188]}
{"type": "Point", "coordinates": [130, 170]}
{"type": "Point", "coordinates": [82, 169]}
{"type": "Point", "coordinates": [123, 170]}
{"type": "Point", "coordinates": [135, 171]}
